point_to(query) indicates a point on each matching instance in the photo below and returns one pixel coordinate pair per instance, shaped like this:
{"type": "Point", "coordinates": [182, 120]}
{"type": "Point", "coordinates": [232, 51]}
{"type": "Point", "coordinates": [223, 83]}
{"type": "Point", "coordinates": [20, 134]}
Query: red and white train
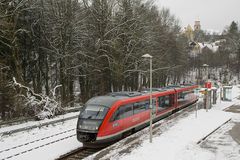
{"type": "Point", "coordinates": [105, 119]}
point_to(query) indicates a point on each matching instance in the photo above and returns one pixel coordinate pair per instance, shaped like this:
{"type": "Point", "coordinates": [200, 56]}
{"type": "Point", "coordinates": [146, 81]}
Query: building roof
{"type": "Point", "coordinates": [211, 46]}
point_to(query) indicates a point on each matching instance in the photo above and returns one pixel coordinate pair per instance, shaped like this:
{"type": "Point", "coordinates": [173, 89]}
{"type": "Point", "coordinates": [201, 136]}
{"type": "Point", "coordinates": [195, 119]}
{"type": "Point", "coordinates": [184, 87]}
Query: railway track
{"type": "Point", "coordinates": [18, 150]}
{"type": "Point", "coordinates": [21, 129]}
{"type": "Point", "coordinates": [15, 121]}
{"type": "Point", "coordinates": [127, 142]}
{"type": "Point", "coordinates": [79, 153]}
{"type": "Point", "coordinates": [23, 120]}
{"type": "Point", "coordinates": [37, 140]}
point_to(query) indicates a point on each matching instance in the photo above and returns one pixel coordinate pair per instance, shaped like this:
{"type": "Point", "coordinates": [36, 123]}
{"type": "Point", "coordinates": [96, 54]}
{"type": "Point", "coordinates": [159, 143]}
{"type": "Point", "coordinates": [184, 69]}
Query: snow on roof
{"type": "Point", "coordinates": [201, 45]}
{"type": "Point", "coordinates": [212, 46]}
{"type": "Point", "coordinates": [213, 31]}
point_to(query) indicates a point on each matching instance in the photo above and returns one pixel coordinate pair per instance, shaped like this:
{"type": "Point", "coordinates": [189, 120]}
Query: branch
{"type": "Point", "coordinates": [27, 88]}
{"type": "Point", "coordinates": [54, 90]}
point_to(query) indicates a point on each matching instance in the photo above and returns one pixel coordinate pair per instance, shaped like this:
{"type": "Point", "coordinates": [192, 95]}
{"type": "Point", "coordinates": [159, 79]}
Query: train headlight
{"type": "Point", "coordinates": [89, 125]}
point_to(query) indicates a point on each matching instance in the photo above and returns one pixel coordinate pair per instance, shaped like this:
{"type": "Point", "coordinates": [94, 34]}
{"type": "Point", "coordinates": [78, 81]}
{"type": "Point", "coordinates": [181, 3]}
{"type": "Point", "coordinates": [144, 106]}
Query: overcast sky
{"type": "Point", "coordinates": [213, 14]}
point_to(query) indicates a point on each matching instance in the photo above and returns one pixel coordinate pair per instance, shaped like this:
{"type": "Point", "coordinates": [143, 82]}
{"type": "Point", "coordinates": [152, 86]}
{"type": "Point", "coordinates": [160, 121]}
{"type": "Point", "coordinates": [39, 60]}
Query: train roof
{"type": "Point", "coordinates": [109, 99]}
{"type": "Point", "coordinates": [125, 94]}
{"type": "Point", "coordinates": [147, 90]}
{"type": "Point", "coordinates": [106, 100]}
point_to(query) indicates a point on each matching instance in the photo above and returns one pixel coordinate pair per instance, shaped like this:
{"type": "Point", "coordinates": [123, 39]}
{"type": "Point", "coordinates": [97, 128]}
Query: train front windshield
{"type": "Point", "coordinates": [91, 117]}
{"type": "Point", "coordinates": [93, 112]}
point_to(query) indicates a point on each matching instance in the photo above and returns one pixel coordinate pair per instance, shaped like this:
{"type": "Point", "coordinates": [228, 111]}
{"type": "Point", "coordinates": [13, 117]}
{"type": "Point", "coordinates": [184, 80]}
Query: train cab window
{"type": "Point", "coordinates": [95, 112]}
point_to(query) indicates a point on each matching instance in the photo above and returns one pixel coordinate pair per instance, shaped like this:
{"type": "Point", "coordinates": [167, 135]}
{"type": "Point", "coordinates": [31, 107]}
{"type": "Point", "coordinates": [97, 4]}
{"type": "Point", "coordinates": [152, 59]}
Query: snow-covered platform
{"type": "Point", "coordinates": [224, 144]}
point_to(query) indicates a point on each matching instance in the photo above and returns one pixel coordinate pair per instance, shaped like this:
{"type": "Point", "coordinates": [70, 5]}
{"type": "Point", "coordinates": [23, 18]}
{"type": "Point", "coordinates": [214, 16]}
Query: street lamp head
{"type": "Point", "coordinates": [146, 56]}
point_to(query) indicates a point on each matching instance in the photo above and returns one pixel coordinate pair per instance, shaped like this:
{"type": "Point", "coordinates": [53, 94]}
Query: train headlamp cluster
{"type": "Point", "coordinates": [88, 127]}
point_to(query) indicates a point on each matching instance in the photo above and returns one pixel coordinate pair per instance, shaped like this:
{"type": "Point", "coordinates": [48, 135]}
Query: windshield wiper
{"type": "Point", "coordinates": [98, 112]}
{"type": "Point", "coordinates": [89, 117]}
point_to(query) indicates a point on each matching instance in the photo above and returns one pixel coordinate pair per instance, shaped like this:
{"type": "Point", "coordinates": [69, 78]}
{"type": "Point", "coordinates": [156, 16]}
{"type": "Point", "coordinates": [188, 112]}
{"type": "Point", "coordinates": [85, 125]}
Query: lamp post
{"type": "Point", "coordinates": [206, 70]}
{"type": "Point", "coordinates": [151, 107]}
{"type": "Point", "coordinates": [207, 92]}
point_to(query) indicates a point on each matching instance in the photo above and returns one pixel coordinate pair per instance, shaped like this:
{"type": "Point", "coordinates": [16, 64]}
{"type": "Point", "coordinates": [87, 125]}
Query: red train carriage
{"type": "Point", "coordinates": [105, 119]}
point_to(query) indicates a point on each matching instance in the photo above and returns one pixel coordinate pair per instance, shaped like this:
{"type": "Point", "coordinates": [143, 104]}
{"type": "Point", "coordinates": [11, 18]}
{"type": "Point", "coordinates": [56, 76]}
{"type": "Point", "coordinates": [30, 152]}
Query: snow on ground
{"type": "Point", "coordinates": [31, 123]}
{"type": "Point", "coordinates": [181, 137]}
{"type": "Point", "coordinates": [180, 141]}
{"type": "Point", "coordinates": [52, 151]}
{"type": "Point", "coordinates": [221, 145]}
{"type": "Point", "coordinates": [40, 137]}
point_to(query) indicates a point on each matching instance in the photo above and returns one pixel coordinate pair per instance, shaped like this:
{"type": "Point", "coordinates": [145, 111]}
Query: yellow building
{"type": "Point", "coordinates": [189, 33]}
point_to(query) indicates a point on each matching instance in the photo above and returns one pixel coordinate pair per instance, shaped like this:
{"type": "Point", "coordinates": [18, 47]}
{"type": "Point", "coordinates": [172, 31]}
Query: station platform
{"type": "Point", "coordinates": [225, 142]}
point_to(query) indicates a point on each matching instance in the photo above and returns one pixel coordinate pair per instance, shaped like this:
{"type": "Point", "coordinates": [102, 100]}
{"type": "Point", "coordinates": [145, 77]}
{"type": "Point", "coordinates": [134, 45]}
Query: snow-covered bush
{"type": "Point", "coordinates": [41, 106]}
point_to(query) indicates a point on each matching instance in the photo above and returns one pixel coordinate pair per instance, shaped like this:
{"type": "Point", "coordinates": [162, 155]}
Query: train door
{"type": "Point", "coordinates": [126, 116]}
{"type": "Point", "coordinates": [172, 100]}
{"type": "Point", "coordinates": [140, 112]}
{"type": "Point", "coordinates": [154, 105]}
{"type": "Point", "coordinates": [175, 98]}
{"type": "Point", "coordinates": [116, 123]}
{"type": "Point", "coordinates": [122, 117]}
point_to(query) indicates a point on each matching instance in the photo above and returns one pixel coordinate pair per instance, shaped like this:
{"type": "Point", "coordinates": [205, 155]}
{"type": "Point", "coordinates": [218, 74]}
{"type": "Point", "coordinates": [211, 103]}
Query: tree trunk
{"type": "Point", "coordinates": [46, 77]}
{"type": "Point", "coordinates": [2, 105]}
{"type": "Point", "coordinates": [62, 82]}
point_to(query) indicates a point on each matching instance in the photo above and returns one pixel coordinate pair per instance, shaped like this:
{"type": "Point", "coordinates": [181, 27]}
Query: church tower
{"type": "Point", "coordinates": [197, 26]}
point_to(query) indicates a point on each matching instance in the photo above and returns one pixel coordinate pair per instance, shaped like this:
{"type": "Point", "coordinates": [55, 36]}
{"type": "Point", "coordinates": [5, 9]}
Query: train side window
{"type": "Point", "coordinates": [167, 101]}
{"type": "Point", "coordinates": [116, 115]}
{"type": "Point", "coordinates": [180, 95]}
{"type": "Point", "coordinates": [122, 112]}
{"type": "Point", "coordinates": [154, 104]}
{"type": "Point", "coordinates": [147, 103]}
{"type": "Point", "coordinates": [161, 101]}
{"type": "Point", "coordinates": [185, 94]}
{"type": "Point", "coordinates": [139, 107]}
{"type": "Point", "coordinates": [164, 102]}
{"type": "Point", "coordinates": [127, 111]}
